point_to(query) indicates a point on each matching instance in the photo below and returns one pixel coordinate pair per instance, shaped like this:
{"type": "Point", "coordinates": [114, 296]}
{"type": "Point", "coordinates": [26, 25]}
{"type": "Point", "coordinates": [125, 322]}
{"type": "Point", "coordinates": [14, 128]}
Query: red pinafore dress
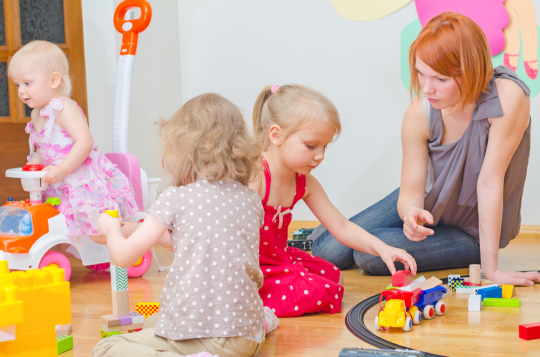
{"type": "Point", "coordinates": [295, 282]}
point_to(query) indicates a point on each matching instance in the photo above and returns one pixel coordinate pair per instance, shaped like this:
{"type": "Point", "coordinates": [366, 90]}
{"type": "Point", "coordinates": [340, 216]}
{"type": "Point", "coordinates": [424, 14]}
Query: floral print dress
{"type": "Point", "coordinates": [95, 186]}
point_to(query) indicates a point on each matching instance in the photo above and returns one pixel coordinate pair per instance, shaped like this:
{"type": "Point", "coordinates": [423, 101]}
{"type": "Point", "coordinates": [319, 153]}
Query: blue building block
{"type": "Point", "coordinates": [491, 292]}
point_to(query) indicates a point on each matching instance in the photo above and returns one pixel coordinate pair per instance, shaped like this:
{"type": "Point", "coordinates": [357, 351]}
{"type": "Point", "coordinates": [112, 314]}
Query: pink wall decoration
{"type": "Point", "coordinates": [490, 15]}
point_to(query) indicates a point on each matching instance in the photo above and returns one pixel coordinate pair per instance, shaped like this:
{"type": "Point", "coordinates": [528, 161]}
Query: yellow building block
{"type": "Point", "coordinates": [34, 301]}
{"type": "Point", "coordinates": [508, 291]}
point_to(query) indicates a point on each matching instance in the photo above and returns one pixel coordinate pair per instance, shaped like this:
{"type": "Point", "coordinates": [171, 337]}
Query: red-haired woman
{"type": "Point", "coordinates": [466, 143]}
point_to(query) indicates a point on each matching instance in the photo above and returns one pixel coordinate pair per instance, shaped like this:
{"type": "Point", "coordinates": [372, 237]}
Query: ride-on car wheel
{"type": "Point", "coordinates": [99, 267]}
{"type": "Point", "coordinates": [440, 308]}
{"type": "Point", "coordinates": [141, 267]}
{"type": "Point", "coordinates": [429, 312]}
{"type": "Point", "coordinates": [58, 259]}
{"type": "Point", "coordinates": [408, 324]}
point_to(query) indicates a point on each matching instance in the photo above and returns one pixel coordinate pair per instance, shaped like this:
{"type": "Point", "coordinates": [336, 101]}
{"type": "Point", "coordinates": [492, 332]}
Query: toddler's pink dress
{"type": "Point", "coordinates": [295, 282]}
{"type": "Point", "coordinates": [95, 186]}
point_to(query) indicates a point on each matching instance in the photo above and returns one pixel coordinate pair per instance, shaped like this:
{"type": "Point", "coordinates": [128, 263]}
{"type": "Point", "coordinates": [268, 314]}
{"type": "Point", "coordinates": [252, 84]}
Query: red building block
{"type": "Point", "coordinates": [529, 331]}
{"type": "Point", "coordinates": [401, 278]}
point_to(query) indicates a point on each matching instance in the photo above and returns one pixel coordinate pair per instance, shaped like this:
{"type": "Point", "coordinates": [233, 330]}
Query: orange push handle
{"type": "Point", "coordinates": [130, 29]}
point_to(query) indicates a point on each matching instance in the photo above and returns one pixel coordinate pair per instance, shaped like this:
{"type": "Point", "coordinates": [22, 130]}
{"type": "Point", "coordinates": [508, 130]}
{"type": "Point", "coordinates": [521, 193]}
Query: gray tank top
{"type": "Point", "coordinates": [454, 168]}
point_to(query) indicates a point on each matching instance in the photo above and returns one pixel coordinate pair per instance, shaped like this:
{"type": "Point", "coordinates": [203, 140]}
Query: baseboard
{"type": "Point", "coordinates": [527, 231]}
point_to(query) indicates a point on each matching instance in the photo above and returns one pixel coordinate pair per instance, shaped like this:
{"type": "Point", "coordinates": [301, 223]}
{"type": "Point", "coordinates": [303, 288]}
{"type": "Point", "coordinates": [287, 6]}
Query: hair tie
{"type": "Point", "coordinates": [274, 88]}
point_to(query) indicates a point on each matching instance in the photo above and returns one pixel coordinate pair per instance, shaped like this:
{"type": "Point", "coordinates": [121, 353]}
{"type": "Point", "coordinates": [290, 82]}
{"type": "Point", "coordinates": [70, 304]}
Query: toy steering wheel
{"type": "Point", "coordinates": [130, 29]}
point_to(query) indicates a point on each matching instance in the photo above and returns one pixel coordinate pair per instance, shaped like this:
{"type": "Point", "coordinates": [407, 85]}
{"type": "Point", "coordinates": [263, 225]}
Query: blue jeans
{"type": "Point", "coordinates": [448, 248]}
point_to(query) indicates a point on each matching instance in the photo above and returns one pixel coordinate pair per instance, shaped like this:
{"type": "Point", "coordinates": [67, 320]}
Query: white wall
{"type": "Point", "coordinates": [236, 47]}
{"type": "Point", "coordinates": [156, 89]}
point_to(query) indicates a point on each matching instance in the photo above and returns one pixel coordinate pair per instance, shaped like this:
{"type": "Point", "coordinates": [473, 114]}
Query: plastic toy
{"type": "Point", "coordinates": [303, 233]}
{"type": "Point", "coordinates": [399, 311]}
{"type": "Point", "coordinates": [501, 302]}
{"type": "Point", "coordinates": [490, 292]}
{"type": "Point", "coordinates": [508, 291]}
{"type": "Point", "coordinates": [64, 343]}
{"type": "Point", "coordinates": [429, 303]}
{"type": "Point", "coordinates": [475, 303]}
{"type": "Point", "coordinates": [401, 278]}
{"type": "Point", "coordinates": [360, 352]}
{"type": "Point", "coordinates": [53, 245]}
{"type": "Point", "coordinates": [33, 303]}
{"type": "Point", "coordinates": [412, 286]}
{"type": "Point", "coordinates": [529, 331]}
{"type": "Point", "coordinates": [109, 334]}
{"type": "Point", "coordinates": [303, 244]}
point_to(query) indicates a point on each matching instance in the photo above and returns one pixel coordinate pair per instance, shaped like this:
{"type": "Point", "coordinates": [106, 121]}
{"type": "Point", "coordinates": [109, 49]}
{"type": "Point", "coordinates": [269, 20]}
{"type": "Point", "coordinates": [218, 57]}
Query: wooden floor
{"type": "Point", "coordinates": [492, 332]}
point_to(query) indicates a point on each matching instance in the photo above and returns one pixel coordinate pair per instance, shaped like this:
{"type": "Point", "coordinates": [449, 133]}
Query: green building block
{"type": "Point", "coordinates": [501, 302]}
{"type": "Point", "coordinates": [109, 334]}
{"type": "Point", "coordinates": [64, 343]}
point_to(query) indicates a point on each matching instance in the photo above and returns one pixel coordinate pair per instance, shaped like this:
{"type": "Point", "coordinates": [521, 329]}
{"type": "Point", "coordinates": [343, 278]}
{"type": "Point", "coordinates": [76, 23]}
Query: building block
{"type": "Point", "coordinates": [485, 282]}
{"type": "Point", "coordinates": [490, 292]}
{"type": "Point", "coordinates": [7, 333]}
{"type": "Point", "coordinates": [474, 273]}
{"type": "Point", "coordinates": [412, 286]}
{"type": "Point", "coordinates": [64, 343]}
{"type": "Point", "coordinates": [62, 330]}
{"type": "Point", "coordinates": [508, 291]}
{"type": "Point", "coordinates": [451, 279]}
{"type": "Point", "coordinates": [125, 320]}
{"type": "Point", "coordinates": [529, 331]}
{"type": "Point", "coordinates": [475, 303]}
{"type": "Point", "coordinates": [501, 302]}
{"type": "Point", "coordinates": [120, 303]}
{"type": "Point", "coordinates": [466, 283]}
{"type": "Point", "coordinates": [121, 328]}
{"type": "Point", "coordinates": [431, 283]}
{"type": "Point", "coordinates": [147, 308]}
{"type": "Point", "coordinates": [42, 297]}
{"type": "Point", "coordinates": [401, 278]}
{"type": "Point", "coordinates": [110, 320]}
{"type": "Point", "coordinates": [136, 317]}
{"type": "Point", "coordinates": [109, 334]}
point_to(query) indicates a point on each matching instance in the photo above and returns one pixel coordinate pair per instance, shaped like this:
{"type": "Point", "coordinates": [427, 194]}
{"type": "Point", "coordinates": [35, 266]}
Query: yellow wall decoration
{"type": "Point", "coordinates": [367, 10]}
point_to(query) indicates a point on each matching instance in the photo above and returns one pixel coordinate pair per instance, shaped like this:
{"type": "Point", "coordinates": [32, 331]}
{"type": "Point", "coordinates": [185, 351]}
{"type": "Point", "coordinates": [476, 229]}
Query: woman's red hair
{"type": "Point", "coordinates": [454, 46]}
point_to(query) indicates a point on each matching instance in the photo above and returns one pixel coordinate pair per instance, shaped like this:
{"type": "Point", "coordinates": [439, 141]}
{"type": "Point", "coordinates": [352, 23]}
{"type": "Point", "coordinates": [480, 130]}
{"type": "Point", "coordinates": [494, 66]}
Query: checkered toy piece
{"type": "Point", "coordinates": [147, 308]}
{"type": "Point", "coordinates": [455, 281]}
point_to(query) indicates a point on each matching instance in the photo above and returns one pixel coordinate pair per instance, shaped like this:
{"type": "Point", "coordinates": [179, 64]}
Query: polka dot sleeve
{"type": "Point", "coordinates": [165, 207]}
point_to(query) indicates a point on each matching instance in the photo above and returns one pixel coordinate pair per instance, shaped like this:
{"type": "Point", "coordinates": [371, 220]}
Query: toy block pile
{"type": "Point", "coordinates": [32, 303]}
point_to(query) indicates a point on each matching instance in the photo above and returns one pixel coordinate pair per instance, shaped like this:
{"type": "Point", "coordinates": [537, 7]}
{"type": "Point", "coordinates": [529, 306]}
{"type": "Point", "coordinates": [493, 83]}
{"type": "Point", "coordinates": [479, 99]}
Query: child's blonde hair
{"type": "Point", "coordinates": [208, 136]}
{"type": "Point", "coordinates": [292, 107]}
{"type": "Point", "coordinates": [46, 54]}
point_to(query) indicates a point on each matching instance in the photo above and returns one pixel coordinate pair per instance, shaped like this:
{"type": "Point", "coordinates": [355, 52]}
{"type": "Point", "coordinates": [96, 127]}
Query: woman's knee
{"type": "Point", "coordinates": [372, 264]}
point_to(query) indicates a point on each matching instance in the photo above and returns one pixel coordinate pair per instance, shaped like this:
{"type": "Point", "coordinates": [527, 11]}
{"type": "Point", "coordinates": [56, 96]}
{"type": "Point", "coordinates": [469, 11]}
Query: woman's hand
{"type": "Point", "coordinates": [514, 278]}
{"type": "Point", "coordinates": [54, 174]}
{"type": "Point", "coordinates": [106, 223]}
{"type": "Point", "coordinates": [413, 224]}
{"type": "Point", "coordinates": [389, 255]}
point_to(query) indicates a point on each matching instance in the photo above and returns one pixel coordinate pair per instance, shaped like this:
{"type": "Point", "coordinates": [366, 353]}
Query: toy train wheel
{"type": "Point", "coordinates": [440, 308]}
{"type": "Point", "coordinates": [429, 312]}
{"type": "Point", "coordinates": [141, 267]}
{"type": "Point", "coordinates": [377, 327]}
{"type": "Point", "coordinates": [56, 258]}
{"type": "Point", "coordinates": [408, 324]}
{"type": "Point", "coordinates": [416, 315]}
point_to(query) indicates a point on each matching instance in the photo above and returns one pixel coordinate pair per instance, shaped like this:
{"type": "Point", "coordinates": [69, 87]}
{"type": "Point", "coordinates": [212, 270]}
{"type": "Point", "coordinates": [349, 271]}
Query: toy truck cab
{"type": "Point", "coordinates": [22, 224]}
{"type": "Point", "coordinates": [399, 310]}
{"type": "Point", "coordinates": [429, 303]}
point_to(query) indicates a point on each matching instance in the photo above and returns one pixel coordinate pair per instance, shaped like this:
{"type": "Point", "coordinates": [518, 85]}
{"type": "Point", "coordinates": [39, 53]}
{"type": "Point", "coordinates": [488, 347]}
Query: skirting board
{"type": "Point", "coordinates": [526, 231]}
